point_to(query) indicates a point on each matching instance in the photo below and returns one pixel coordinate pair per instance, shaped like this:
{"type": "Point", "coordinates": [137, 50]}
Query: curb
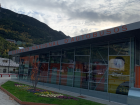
{"type": "Point", "coordinates": [22, 102]}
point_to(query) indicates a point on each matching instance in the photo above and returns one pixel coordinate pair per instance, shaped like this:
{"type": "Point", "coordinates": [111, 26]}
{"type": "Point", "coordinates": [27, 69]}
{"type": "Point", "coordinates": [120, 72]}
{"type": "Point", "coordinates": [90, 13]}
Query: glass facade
{"type": "Point", "coordinates": [119, 67]}
{"type": "Point", "coordinates": [105, 67]}
{"type": "Point", "coordinates": [24, 67]}
{"type": "Point", "coordinates": [99, 67]}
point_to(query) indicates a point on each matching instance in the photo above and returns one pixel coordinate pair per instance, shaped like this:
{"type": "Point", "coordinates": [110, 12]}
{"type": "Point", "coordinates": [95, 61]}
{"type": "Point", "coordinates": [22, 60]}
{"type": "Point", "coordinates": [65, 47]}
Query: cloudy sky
{"type": "Point", "coordinates": [77, 17]}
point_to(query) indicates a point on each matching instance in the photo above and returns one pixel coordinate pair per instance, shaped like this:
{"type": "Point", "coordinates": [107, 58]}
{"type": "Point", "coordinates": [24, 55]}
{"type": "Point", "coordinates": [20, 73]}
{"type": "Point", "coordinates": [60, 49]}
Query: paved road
{"type": "Point", "coordinates": [4, 98]}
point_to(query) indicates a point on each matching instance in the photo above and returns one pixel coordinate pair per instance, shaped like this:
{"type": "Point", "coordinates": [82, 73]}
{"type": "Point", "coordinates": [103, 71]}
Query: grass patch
{"type": "Point", "coordinates": [23, 95]}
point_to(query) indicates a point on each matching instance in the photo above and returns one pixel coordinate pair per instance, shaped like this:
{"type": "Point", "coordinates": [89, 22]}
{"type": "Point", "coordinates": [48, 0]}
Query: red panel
{"type": "Point", "coordinates": [137, 76]}
{"type": "Point", "coordinates": [101, 71]}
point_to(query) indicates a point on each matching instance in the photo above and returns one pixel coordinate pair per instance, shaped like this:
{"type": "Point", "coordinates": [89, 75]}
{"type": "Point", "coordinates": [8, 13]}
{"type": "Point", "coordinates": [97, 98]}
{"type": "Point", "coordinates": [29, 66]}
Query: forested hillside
{"type": "Point", "coordinates": [5, 47]}
{"type": "Point", "coordinates": [23, 28]}
{"type": "Point", "coordinates": [27, 29]}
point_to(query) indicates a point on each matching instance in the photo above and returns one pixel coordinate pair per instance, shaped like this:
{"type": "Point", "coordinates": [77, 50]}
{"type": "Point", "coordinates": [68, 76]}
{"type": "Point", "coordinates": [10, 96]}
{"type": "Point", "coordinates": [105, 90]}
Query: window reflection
{"type": "Point", "coordinates": [54, 69]}
{"type": "Point", "coordinates": [68, 56]}
{"type": "Point", "coordinates": [98, 70]}
{"type": "Point", "coordinates": [81, 80]}
{"type": "Point", "coordinates": [24, 64]}
{"type": "Point", "coordinates": [81, 63]}
{"type": "Point", "coordinates": [119, 68]}
{"type": "Point", "coordinates": [53, 77]}
{"type": "Point", "coordinates": [67, 74]}
{"type": "Point", "coordinates": [119, 48]}
{"type": "Point", "coordinates": [99, 66]}
{"type": "Point", "coordinates": [23, 67]}
{"type": "Point", "coordinates": [99, 73]}
{"type": "Point", "coordinates": [118, 84]}
{"type": "Point", "coordinates": [119, 65]}
{"type": "Point", "coordinates": [99, 55]}
{"type": "Point", "coordinates": [55, 59]}
{"type": "Point", "coordinates": [55, 53]}
{"type": "Point", "coordinates": [33, 59]}
{"type": "Point", "coordinates": [82, 51]}
{"type": "Point", "coordinates": [82, 68]}
{"type": "Point", "coordinates": [44, 57]}
{"type": "Point", "coordinates": [43, 71]}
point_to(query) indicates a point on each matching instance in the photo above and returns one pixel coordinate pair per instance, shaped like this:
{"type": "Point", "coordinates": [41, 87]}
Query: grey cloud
{"type": "Point", "coordinates": [71, 9]}
{"type": "Point", "coordinates": [76, 9]}
{"type": "Point", "coordinates": [99, 17]}
{"type": "Point", "coordinates": [93, 16]}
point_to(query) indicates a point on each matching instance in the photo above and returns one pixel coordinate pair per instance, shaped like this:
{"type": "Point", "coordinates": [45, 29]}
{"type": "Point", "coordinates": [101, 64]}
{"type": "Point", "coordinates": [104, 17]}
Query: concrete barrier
{"type": "Point", "coordinates": [7, 75]}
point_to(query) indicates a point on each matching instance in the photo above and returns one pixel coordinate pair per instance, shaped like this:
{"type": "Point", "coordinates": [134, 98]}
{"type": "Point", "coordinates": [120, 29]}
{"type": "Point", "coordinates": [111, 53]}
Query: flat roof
{"type": "Point", "coordinates": [119, 32]}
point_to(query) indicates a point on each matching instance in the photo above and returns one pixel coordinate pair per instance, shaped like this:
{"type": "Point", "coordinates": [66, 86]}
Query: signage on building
{"type": "Point", "coordinates": [80, 38]}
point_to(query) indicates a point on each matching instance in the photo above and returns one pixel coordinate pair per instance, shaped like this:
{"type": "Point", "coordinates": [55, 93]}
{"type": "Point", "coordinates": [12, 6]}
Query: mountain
{"type": "Point", "coordinates": [23, 28]}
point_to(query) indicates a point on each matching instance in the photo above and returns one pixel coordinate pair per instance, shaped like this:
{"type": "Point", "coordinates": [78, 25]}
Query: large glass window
{"type": "Point", "coordinates": [119, 67]}
{"type": "Point", "coordinates": [34, 61]}
{"type": "Point", "coordinates": [67, 74]}
{"type": "Point", "coordinates": [23, 67]}
{"type": "Point", "coordinates": [33, 65]}
{"type": "Point", "coordinates": [43, 71]}
{"type": "Point", "coordinates": [99, 55]}
{"type": "Point", "coordinates": [43, 66]}
{"type": "Point", "coordinates": [108, 67]}
{"type": "Point", "coordinates": [81, 71]}
{"type": "Point", "coordinates": [82, 51]}
{"type": "Point", "coordinates": [55, 53]}
{"type": "Point", "coordinates": [120, 48]}
{"type": "Point", "coordinates": [99, 68]}
{"type": "Point", "coordinates": [67, 67]}
{"type": "Point", "coordinates": [68, 56]}
{"type": "Point", "coordinates": [43, 58]}
{"type": "Point", "coordinates": [81, 63]}
{"type": "Point", "coordinates": [54, 68]}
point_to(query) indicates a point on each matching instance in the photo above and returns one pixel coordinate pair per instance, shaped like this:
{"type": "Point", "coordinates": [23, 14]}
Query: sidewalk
{"type": "Point", "coordinates": [106, 102]}
{"type": "Point", "coordinates": [4, 98]}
